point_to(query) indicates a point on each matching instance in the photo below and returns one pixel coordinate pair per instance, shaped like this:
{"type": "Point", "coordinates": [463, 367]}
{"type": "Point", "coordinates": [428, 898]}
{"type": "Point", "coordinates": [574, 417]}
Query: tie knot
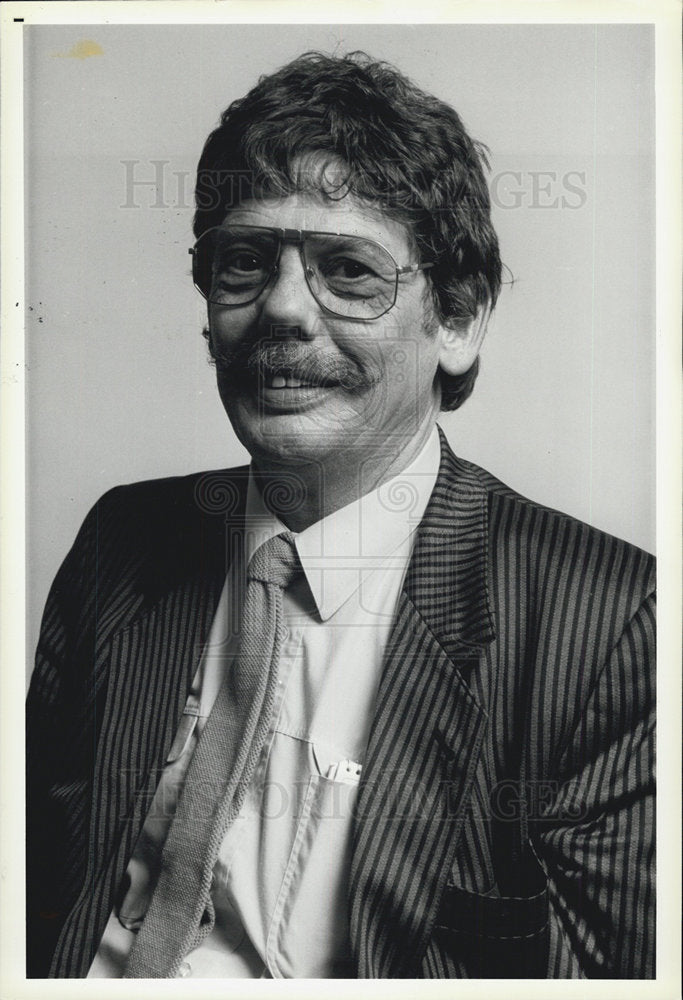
{"type": "Point", "coordinates": [276, 561]}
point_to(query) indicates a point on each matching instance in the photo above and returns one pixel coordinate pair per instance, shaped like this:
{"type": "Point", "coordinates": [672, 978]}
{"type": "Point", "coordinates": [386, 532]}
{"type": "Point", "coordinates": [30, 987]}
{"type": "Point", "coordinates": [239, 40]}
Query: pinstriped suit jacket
{"type": "Point", "coordinates": [505, 818]}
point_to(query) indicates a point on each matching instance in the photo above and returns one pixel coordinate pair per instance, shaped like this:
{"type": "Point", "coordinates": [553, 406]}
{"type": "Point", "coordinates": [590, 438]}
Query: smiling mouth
{"type": "Point", "coordinates": [284, 379]}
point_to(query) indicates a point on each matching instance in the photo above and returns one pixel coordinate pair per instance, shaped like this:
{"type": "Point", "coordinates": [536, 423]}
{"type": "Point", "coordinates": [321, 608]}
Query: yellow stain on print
{"type": "Point", "coordinates": [81, 50]}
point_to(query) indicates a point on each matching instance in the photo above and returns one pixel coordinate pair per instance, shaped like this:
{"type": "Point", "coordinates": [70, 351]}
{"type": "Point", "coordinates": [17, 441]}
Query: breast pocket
{"type": "Point", "coordinates": [495, 936]}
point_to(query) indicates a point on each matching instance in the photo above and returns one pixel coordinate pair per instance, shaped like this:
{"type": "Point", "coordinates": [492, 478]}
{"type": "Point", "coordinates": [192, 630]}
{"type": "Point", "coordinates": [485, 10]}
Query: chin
{"type": "Point", "coordinates": [279, 441]}
{"type": "Point", "coordinates": [293, 438]}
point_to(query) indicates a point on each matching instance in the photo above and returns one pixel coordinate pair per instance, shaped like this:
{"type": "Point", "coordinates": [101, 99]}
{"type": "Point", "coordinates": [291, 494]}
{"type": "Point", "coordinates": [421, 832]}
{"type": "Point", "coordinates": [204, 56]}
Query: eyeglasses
{"type": "Point", "coordinates": [348, 276]}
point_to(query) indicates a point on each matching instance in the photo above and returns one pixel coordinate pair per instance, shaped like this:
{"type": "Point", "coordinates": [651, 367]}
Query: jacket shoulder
{"type": "Point", "coordinates": [169, 510]}
{"type": "Point", "coordinates": [148, 535]}
{"type": "Point", "coordinates": [212, 491]}
{"type": "Point", "coordinates": [549, 550]}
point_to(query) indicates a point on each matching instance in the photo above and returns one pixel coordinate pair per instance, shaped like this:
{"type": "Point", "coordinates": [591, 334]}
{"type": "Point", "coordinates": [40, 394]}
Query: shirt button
{"type": "Point", "coordinates": [185, 970]}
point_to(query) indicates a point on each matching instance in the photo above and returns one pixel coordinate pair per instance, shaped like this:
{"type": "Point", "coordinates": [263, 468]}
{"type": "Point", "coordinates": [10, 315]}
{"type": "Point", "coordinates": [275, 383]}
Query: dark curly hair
{"type": "Point", "coordinates": [402, 150]}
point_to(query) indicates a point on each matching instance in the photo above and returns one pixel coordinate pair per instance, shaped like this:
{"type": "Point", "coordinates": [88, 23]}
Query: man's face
{"type": "Point", "coordinates": [301, 385]}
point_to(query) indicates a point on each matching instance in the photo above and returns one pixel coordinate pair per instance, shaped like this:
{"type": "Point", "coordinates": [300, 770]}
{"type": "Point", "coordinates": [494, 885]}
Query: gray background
{"type": "Point", "coordinates": [118, 387]}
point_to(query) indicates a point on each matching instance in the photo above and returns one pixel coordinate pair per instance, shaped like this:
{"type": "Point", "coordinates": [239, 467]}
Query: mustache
{"type": "Point", "coordinates": [313, 366]}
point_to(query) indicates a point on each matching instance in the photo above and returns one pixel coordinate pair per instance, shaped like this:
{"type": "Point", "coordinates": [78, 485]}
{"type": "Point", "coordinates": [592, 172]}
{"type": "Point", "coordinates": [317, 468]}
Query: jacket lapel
{"type": "Point", "coordinates": [427, 732]}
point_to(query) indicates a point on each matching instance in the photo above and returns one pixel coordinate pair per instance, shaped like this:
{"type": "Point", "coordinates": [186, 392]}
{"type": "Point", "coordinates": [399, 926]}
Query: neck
{"type": "Point", "coordinates": [304, 494]}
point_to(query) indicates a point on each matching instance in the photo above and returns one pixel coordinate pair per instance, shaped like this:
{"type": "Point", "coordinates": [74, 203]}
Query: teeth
{"type": "Point", "coordinates": [286, 381]}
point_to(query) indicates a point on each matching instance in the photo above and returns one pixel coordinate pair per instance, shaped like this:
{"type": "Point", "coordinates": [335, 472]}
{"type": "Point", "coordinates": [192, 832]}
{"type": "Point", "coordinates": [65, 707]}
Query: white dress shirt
{"type": "Point", "coordinates": [281, 877]}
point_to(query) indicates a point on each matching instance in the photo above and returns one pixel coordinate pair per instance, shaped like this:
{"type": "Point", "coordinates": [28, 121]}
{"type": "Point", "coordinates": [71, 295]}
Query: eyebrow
{"type": "Point", "coordinates": [343, 239]}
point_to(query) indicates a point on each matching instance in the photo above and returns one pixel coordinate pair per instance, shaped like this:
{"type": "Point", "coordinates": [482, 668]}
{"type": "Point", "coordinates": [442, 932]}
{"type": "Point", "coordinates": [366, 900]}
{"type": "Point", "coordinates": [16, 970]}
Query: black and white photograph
{"type": "Point", "coordinates": [340, 392]}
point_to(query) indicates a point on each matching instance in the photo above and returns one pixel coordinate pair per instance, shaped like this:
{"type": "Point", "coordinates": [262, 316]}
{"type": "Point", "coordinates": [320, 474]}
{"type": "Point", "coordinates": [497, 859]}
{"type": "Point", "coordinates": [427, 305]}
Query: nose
{"type": "Point", "coordinates": [288, 301]}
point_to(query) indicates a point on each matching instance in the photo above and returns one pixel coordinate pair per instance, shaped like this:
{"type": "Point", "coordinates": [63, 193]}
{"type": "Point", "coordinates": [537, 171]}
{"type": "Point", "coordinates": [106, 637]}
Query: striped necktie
{"type": "Point", "coordinates": [180, 913]}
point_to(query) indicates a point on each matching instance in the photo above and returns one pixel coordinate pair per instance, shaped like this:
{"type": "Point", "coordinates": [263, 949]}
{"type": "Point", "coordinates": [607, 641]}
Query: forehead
{"type": "Point", "coordinates": [318, 211]}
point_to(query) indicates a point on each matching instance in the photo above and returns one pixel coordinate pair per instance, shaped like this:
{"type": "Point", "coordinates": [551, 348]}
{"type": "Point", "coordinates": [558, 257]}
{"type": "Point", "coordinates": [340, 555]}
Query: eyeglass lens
{"type": "Point", "coordinates": [348, 275]}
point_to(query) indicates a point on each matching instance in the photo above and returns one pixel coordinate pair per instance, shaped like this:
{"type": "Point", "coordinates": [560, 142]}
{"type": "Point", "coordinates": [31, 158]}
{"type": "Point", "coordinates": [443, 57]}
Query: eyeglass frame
{"type": "Point", "coordinates": [297, 237]}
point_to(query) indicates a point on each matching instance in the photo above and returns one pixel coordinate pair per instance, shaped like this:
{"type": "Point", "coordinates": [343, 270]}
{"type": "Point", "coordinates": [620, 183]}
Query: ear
{"type": "Point", "coordinates": [461, 340]}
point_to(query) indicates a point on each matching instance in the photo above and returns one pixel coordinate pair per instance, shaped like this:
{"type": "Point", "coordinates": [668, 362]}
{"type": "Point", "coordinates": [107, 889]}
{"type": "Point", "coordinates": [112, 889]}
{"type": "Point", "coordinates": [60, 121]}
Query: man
{"type": "Point", "coordinates": [359, 710]}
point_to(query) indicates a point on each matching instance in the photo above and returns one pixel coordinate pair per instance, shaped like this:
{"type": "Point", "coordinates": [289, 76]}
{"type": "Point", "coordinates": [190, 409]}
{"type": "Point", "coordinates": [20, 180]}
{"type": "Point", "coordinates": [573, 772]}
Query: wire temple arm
{"type": "Point", "coordinates": [412, 268]}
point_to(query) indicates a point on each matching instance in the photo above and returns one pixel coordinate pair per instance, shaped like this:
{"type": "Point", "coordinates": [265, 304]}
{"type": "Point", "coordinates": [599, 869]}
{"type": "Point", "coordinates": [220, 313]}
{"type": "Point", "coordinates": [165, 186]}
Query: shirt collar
{"type": "Point", "coordinates": [338, 551]}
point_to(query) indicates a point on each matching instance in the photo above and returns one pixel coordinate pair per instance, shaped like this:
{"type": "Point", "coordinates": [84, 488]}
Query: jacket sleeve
{"type": "Point", "coordinates": [58, 733]}
{"type": "Point", "coordinates": [595, 838]}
